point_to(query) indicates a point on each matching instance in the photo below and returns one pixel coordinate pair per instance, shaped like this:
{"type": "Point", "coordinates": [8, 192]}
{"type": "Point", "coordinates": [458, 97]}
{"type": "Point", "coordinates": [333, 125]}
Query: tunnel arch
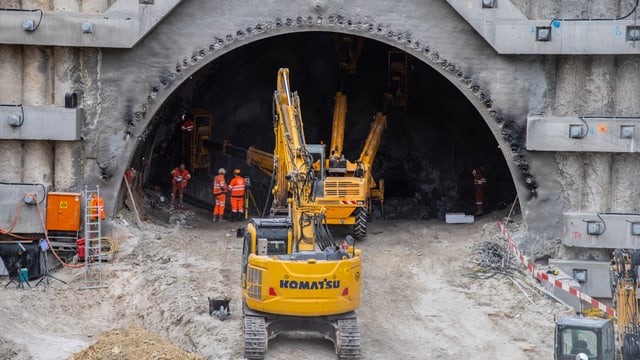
{"type": "Point", "coordinates": [506, 132]}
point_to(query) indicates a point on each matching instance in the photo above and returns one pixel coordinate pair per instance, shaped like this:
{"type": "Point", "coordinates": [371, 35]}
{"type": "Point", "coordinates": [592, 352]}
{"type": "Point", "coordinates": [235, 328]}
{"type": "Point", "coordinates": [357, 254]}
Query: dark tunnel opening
{"type": "Point", "coordinates": [425, 153]}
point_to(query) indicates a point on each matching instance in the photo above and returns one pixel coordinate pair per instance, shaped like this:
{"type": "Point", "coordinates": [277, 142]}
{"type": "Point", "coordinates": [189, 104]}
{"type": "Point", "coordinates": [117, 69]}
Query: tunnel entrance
{"type": "Point", "coordinates": [430, 143]}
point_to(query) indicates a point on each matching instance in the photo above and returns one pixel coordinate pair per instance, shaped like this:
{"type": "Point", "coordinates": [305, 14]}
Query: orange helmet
{"type": "Point", "coordinates": [236, 171]}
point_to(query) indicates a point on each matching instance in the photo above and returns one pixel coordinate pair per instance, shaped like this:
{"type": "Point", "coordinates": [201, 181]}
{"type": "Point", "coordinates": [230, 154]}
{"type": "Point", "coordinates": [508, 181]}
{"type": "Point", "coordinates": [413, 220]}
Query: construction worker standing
{"type": "Point", "coordinates": [180, 176]}
{"type": "Point", "coordinates": [219, 194]}
{"type": "Point", "coordinates": [97, 207]}
{"type": "Point", "coordinates": [479, 183]}
{"type": "Point", "coordinates": [236, 192]}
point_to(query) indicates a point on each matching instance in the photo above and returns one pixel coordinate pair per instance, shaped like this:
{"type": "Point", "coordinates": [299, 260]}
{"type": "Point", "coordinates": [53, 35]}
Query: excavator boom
{"type": "Point", "coordinates": [339, 116]}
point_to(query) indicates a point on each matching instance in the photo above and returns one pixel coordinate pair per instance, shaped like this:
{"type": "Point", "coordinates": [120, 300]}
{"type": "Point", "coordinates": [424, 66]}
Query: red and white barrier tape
{"type": "Point", "coordinates": [542, 276]}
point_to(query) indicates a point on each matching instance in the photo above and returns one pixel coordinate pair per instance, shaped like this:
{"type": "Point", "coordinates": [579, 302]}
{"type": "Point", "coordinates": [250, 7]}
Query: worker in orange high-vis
{"type": "Point", "coordinates": [236, 193]}
{"type": "Point", "coordinates": [179, 178]}
{"type": "Point", "coordinates": [97, 207]}
{"type": "Point", "coordinates": [479, 183]}
{"type": "Point", "coordinates": [219, 195]}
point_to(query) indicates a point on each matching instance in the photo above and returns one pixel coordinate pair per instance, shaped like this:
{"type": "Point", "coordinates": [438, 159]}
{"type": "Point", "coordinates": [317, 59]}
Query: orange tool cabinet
{"type": "Point", "coordinates": [63, 211]}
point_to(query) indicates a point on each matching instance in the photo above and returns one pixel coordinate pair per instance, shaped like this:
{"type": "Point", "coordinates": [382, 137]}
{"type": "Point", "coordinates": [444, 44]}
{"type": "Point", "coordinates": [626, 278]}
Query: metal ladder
{"type": "Point", "coordinates": [92, 240]}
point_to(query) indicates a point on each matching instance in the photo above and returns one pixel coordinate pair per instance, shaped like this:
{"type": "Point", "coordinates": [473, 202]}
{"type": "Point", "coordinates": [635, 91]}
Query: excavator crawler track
{"type": "Point", "coordinates": [348, 340]}
{"type": "Point", "coordinates": [255, 337]}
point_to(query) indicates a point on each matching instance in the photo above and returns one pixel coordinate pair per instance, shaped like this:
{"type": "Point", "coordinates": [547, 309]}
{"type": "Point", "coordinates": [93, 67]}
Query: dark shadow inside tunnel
{"type": "Point", "coordinates": [425, 154]}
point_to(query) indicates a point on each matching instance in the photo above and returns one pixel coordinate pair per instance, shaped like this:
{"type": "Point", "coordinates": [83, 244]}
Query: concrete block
{"type": "Point", "coordinates": [597, 284]}
{"type": "Point", "coordinates": [603, 230]}
{"type": "Point", "coordinates": [564, 296]}
{"type": "Point", "coordinates": [459, 218]}
{"type": "Point", "coordinates": [40, 123]}
{"type": "Point", "coordinates": [593, 134]}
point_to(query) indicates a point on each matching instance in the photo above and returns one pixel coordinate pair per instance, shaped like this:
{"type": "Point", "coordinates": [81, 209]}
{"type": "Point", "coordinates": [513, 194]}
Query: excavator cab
{"type": "Point", "coordinates": [581, 335]}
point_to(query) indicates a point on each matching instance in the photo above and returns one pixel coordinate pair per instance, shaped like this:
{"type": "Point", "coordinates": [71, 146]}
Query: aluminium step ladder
{"type": "Point", "coordinates": [93, 275]}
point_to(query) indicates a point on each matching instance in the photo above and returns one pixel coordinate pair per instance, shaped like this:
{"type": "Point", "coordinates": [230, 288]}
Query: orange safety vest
{"type": "Point", "coordinates": [97, 207]}
{"type": "Point", "coordinates": [219, 185]}
{"type": "Point", "coordinates": [236, 185]}
{"type": "Point", "coordinates": [184, 175]}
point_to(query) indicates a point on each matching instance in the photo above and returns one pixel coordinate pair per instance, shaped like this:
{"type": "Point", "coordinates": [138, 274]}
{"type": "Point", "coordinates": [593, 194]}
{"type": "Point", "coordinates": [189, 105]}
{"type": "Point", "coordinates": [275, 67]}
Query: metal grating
{"type": "Point", "coordinates": [341, 188]}
{"type": "Point", "coordinates": [254, 283]}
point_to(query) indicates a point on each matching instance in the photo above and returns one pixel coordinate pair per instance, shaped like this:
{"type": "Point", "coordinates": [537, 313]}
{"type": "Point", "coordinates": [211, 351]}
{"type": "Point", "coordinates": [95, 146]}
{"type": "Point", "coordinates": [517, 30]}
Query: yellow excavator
{"type": "Point", "coordinates": [295, 276]}
{"type": "Point", "coordinates": [600, 338]}
{"type": "Point", "coordinates": [349, 190]}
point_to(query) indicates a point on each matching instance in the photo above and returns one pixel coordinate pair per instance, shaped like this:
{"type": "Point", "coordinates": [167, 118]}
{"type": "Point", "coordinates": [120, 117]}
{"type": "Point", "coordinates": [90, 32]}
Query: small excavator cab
{"type": "Point", "coordinates": [580, 335]}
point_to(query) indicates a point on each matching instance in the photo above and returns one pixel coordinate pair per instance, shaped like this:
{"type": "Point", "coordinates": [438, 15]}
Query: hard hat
{"type": "Point", "coordinates": [222, 171]}
{"type": "Point", "coordinates": [236, 171]}
{"type": "Point", "coordinates": [582, 356]}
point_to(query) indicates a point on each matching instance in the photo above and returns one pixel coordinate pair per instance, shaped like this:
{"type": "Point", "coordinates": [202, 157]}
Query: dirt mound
{"type": "Point", "coordinates": [133, 342]}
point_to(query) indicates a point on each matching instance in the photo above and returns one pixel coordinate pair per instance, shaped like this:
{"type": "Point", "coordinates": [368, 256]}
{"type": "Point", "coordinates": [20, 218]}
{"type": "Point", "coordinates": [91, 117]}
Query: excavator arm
{"type": "Point", "coordinates": [337, 133]}
{"type": "Point", "coordinates": [254, 157]}
{"type": "Point", "coordinates": [368, 154]}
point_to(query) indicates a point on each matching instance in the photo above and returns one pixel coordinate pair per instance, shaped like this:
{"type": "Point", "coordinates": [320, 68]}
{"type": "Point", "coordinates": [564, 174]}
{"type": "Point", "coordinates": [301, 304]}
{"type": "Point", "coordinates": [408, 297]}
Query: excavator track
{"type": "Point", "coordinates": [348, 340]}
{"type": "Point", "coordinates": [255, 337]}
{"type": "Point", "coordinates": [360, 227]}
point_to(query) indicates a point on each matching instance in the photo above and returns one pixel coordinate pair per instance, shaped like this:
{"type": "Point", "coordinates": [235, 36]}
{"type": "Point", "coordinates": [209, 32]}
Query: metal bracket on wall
{"type": "Point", "coordinates": [39, 123]}
{"type": "Point", "coordinates": [601, 230]}
{"type": "Point", "coordinates": [582, 134]}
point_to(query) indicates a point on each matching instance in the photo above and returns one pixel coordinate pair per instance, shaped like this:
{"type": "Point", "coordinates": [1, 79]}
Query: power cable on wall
{"type": "Point", "coordinates": [37, 25]}
{"type": "Point", "coordinates": [635, 7]}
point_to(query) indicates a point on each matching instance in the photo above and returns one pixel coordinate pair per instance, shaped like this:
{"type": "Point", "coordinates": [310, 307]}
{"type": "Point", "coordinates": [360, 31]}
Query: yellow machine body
{"type": "Point", "coordinates": [308, 287]}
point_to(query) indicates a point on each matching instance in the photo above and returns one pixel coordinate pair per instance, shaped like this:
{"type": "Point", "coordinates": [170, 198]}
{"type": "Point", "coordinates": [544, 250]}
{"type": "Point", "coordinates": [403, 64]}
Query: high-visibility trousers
{"type": "Point", "coordinates": [237, 203]}
{"type": "Point", "coordinates": [220, 200]}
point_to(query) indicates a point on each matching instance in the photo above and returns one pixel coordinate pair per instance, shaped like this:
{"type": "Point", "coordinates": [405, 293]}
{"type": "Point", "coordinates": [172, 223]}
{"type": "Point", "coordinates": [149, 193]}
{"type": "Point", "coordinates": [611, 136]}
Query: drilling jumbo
{"type": "Point", "coordinates": [295, 276]}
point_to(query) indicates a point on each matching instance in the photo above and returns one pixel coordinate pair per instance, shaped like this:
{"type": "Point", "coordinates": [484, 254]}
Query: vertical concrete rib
{"type": "Point", "coordinates": [37, 164]}
{"type": "Point", "coordinates": [626, 94]}
{"type": "Point", "coordinates": [569, 84]}
{"type": "Point", "coordinates": [598, 89]}
{"type": "Point", "coordinates": [94, 6]}
{"type": "Point", "coordinates": [66, 5]}
{"type": "Point", "coordinates": [67, 167]}
{"type": "Point", "coordinates": [11, 80]}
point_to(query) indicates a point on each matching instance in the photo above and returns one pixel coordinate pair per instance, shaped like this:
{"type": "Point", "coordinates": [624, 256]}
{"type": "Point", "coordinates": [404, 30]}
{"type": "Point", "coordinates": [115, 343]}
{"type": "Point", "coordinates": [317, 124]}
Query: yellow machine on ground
{"type": "Point", "coordinates": [295, 276]}
{"type": "Point", "coordinates": [601, 339]}
{"type": "Point", "coordinates": [195, 137]}
{"type": "Point", "coordinates": [348, 190]}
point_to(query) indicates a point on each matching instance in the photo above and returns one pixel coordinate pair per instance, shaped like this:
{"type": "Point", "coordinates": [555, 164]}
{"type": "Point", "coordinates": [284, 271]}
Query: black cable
{"type": "Point", "coordinates": [27, 10]}
{"type": "Point", "coordinates": [44, 189]}
{"type": "Point", "coordinates": [600, 19]}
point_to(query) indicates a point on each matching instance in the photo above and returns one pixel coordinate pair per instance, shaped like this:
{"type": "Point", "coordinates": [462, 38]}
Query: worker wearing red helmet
{"type": "Point", "coordinates": [236, 188]}
{"type": "Point", "coordinates": [219, 195]}
{"type": "Point", "coordinates": [180, 176]}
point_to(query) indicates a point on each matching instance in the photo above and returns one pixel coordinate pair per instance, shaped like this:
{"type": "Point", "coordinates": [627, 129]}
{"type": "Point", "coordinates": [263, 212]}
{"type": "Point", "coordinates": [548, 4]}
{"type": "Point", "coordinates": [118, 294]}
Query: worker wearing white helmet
{"type": "Point", "coordinates": [582, 356]}
{"type": "Point", "coordinates": [219, 195]}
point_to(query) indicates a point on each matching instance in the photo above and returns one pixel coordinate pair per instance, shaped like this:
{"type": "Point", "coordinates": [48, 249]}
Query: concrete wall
{"type": "Point", "coordinates": [122, 89]}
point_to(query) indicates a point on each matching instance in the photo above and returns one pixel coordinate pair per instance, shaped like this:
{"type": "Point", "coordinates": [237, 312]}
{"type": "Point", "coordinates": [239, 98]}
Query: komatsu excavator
{"type": "Point", "coordinates": [295, 276]}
